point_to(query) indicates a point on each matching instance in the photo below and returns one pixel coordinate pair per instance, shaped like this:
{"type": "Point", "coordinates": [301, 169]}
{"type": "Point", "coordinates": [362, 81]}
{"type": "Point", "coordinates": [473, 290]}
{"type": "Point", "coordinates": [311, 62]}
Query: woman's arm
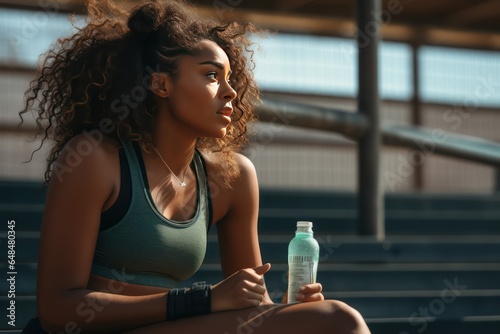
{"type": "Point", "coordinates": [237, 230]}
{"type": "Point", "coordinates": [81, 184]}
{"type": "Point", "coordinates": [238, 233]}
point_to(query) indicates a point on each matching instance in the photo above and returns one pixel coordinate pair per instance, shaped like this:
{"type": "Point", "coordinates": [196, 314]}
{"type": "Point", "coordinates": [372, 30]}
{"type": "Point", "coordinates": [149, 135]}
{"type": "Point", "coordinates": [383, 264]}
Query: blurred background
{"type": "Point", "coordinates": [433, 263]}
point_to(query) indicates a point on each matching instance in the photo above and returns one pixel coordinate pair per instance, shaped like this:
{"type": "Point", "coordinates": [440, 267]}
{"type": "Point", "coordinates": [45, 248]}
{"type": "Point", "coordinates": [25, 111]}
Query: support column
{"type": "Point", "coordinates": [370, 192]}
{"type": "Point", "coordinates": [416, 112]}
{"type": "Point", "coordinates": [497, 181]}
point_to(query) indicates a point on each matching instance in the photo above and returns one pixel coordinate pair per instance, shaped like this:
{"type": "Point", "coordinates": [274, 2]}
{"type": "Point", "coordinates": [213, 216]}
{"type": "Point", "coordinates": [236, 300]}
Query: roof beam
{"type": "Point", "coordinates": [292, 4]}
{"type": "Point", "coordinates": [334, 26]}
{"type": "Point", "coordinates": [478, 12]}
{"type": "Point", "coordinates": [341, 27]}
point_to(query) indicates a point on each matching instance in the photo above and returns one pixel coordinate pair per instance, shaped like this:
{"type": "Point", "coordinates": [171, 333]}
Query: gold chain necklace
{"type": "Point", "coordinates": [181, 182]}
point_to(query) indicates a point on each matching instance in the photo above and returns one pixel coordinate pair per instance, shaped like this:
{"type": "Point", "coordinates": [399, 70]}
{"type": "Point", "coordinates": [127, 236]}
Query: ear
{"type": "Point", "coordinates": [160, 83]}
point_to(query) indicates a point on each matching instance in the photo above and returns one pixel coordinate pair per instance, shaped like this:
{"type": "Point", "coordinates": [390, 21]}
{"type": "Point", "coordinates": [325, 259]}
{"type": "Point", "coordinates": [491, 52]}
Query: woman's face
{"type": "Point", "coordinates": [200, 95]}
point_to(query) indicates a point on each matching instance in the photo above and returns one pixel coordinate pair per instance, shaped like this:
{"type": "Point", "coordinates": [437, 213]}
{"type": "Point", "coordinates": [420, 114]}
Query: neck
{"type": "Point", "coordinates": [176, 148]}
{"type": "Point", "coordinates": [177, 158]}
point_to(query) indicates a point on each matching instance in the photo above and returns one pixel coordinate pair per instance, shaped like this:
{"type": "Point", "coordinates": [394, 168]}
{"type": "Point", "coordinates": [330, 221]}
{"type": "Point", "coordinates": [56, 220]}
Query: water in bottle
{"type": "Point", "coordinates": [303, 256]}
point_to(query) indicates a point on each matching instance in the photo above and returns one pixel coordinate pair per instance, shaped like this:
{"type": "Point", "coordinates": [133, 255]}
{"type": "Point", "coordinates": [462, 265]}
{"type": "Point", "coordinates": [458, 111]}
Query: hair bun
{"type": "Point", "coordinates": [145, 19]}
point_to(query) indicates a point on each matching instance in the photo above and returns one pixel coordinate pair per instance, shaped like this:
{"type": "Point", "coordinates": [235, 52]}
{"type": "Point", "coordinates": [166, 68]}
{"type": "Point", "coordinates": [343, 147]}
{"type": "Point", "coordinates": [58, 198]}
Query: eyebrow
{"type": "Point", "coordinates": [216, 64]}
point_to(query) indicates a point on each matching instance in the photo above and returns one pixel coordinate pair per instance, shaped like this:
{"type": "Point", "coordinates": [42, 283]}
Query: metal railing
{"type": "Point", "coordinates": [353, 126]}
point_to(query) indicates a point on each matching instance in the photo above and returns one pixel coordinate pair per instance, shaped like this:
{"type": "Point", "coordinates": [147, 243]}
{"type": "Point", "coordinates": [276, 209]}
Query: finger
{"type": "Point", "coordinates": [311, 288]}
{"type": "Point", "coordinates": [261, 270]}
{"type": "Point", "coordinates": [311, 297]}
{"type": "Point", "coordinates": [249, 277]}
{"type": "Point", "coordinates": [254, 297]}
{"type": "Point", "coordinates": [257, 288]}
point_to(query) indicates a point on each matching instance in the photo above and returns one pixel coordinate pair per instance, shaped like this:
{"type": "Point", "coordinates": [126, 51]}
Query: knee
{"type": "Point", "coordinates": [346, 319]}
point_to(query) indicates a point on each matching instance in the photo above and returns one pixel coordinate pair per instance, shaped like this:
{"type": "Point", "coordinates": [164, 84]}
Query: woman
{"type": "Point", "coordinates": [147, 112]}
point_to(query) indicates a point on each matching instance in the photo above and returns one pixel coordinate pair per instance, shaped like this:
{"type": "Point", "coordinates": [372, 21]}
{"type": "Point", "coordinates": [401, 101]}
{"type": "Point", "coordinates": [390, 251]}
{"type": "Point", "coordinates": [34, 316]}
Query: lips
{"type": "Point", "coordinates": [226, 111]}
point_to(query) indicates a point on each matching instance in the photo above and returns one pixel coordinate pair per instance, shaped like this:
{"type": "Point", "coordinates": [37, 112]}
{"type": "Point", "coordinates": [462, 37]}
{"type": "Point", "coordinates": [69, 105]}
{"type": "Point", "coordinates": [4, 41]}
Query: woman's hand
{"type": "Point", "coordinates": [245, 288]}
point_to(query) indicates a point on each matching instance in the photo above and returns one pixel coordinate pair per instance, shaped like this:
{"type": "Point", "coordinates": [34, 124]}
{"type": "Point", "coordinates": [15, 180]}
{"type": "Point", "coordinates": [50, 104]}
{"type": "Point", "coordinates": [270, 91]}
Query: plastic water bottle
{"type": "Point", "coordinates": [303, 256]}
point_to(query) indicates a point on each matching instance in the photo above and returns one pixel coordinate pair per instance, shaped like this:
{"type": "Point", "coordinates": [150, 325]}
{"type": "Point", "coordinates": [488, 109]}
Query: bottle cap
{"type": "Point", "coordinates": [304, 224]}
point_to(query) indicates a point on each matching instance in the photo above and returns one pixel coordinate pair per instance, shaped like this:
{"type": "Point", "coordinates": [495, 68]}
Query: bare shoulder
{"type": "Point", "coordinates": [87, 146]}
{"type": "Point", "coordinates": [86, 162]}
{"type": "Point", "coordinates": [245, 168]}
{"type": "Point", "coordinates": [238, 200]}
{"type": "Point", "coordinates": [83, 152]}
{"type": "Point", "coordinates": [244, 163]}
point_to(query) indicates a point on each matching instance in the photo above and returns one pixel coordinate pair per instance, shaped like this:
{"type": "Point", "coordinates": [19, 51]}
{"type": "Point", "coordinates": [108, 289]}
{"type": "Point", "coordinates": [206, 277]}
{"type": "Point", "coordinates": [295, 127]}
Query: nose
{"type": "Point", "coordinates": [228, 92]}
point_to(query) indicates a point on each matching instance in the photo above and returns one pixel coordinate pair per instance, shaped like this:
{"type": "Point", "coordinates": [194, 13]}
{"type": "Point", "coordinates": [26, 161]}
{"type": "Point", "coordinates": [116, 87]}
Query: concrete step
{"type": "Point", "coordinates": [33, 192]}
{"type": "Point", "coordinates": [336, 249]}
{"type": "Point", "coordinates": [25, 309]}
{"type": "Point", "coordinates": [26, 192]}
{"type": "Point", "coordinates": [28, 217]}
{"type": "Point", "coordinates": [319, 199]}
{"type": "Point", "coordinates": [397, 221]}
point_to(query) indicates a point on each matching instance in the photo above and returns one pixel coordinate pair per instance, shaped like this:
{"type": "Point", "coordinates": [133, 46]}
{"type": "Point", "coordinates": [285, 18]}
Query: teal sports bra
{"type": "Point", "coordinates": [144, 247]}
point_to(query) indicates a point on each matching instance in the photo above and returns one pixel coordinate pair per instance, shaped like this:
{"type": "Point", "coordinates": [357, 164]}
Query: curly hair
{"type": "Point", "coordinates": [98, 77]}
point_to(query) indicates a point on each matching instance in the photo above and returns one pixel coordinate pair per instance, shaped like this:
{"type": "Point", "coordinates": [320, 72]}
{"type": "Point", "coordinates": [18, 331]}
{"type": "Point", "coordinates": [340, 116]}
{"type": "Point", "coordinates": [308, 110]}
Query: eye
{"type": "Point", "coordinates": [212, 75]}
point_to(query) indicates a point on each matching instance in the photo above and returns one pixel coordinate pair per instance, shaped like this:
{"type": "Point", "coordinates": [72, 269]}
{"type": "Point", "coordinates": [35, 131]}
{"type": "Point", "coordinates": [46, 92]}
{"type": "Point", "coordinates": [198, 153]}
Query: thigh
{"type": "Point", "coordinates": [330, 317]}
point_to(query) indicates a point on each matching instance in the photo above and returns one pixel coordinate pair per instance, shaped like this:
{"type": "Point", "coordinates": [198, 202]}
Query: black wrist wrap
{"type": "Point", "coordinates": [185, 303]}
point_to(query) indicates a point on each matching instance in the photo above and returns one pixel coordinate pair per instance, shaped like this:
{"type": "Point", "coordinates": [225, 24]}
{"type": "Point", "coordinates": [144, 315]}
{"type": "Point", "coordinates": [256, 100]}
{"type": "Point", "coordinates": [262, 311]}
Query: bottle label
{"type": "Point", "coordinates": [302, 270]}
